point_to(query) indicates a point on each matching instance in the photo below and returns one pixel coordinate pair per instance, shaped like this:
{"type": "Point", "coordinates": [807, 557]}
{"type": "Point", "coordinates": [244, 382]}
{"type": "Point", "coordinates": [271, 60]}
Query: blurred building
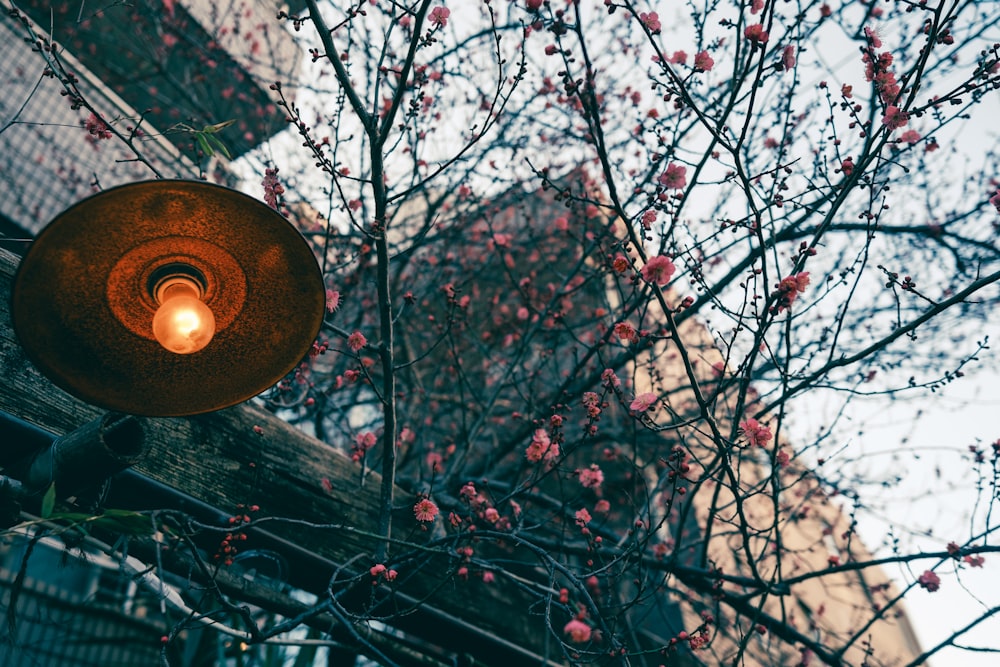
{"type": "Point", "coordinates": [155, 72]}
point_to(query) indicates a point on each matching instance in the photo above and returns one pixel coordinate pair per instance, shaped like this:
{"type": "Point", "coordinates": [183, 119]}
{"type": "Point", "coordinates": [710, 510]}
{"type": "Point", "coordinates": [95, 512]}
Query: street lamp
{"type": "Point", "coordinates": [167, 298]}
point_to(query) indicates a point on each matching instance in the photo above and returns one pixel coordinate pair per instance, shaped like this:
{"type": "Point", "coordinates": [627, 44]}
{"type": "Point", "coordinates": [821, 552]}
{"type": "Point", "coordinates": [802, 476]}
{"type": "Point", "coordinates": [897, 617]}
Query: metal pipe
{"type": "Point", "coordinates": [83, 458]}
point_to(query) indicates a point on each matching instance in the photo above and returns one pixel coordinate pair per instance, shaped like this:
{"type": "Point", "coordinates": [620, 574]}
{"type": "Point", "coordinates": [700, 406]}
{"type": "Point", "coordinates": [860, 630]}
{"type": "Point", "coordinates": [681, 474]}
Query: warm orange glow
{"type": "Point", "coordinates": [182, 324]}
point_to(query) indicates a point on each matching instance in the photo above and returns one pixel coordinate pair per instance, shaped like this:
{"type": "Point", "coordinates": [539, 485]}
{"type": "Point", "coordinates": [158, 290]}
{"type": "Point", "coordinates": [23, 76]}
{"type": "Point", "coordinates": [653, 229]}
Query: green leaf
{"type": "Point", "coordinates": [217, 143]}
{"type": "Point", "coordinates": [124, 521]}
{"type": "Point", "coordinates": [212, 129]}
{"type": "Point", "coordinates": [203, 144]}
{"type": "Point", "coordinates": [49, 501]}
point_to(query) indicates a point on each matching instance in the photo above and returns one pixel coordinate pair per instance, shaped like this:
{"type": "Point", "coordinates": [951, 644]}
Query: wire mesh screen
{"type": "Point", "coordinates": [67, 610]}
{"type": "Point", "coordinates": [48, 158]}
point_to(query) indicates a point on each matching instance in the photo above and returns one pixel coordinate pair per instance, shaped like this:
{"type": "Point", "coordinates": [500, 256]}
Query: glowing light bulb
{"type": "Point", "coordinates": [183, 323]}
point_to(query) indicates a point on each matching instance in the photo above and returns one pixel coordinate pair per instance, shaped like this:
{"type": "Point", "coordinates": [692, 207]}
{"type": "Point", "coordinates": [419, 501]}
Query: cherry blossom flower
{"type": "Point", "coordinates": [929, 581]}
{"type": "Point", "coordinates": [674, 177]}
{"type": "Point", "coordinates": [425, 510]}
{"type": "Point", "coordinates": [610, 379]}
{"type": "Point", "coordinates": [651, 21]}
{"type": "Point", "coordinates": [974, 561]}
{"type": "Point", "coordinates": [602, 506]}
{"type": "Point", "coordinates": [642, 402]}
{"type": "Point", "coordinates": [356, 341]}
{"type": "Point", "coordinates": [625, 332]}
{"type": "Point", "coordinates": [97, 127]}
{"type": "Point", "coordinates": [439, 16]}
{"type": "Point", "coordinates": [756, 433]}
{"type": "Point", "coordinates": [590, 478]}
{"type": "Point", "coordinates": [910, 137]}
{"type": "Point", "coordinates": [783, 458]}
{"type": "Point", "coordinates": [582, 517]}
{"type": "Point", "coordinates": [658, 270]}
{"type": "Point", "coordinates": [332, 300]}
{"type": "Point", "coordinates": [703, 62]}
{"type": "Point", "coordinates": [541, 448]}
{"type": "Point", "coordinates": [788, 57]}
{"type": "Point", "coordinates": [790, 287]}
{"type": "Point", "coordinates": [592, 402]}
{"type": "Point", "coordinates": [895, 117]}
{"type": "Point", "coordinates": [679, 58]}
{"type": "Point", "coordinates": [756, 33]}
{"type": "Point", "coordinates": [578, 631]}
{"type": "Point", "coordinates": [272, 188]}
{"type": "Point", "coordinates": [362, 443]}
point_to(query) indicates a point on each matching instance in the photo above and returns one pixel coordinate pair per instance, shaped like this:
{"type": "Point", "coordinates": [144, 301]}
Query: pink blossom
{"type": "Point", "coordinates": [648, 218]}
{"type": "Point", "coordinates": [425, 510]}
{"type": "Point", "coordinates": [362, 443]}
{"type": "Point", "coordinates": [592, 402]}
{"type": "Point", "coordinates": [756, 33]}
{"type": "Point", "coordinates": [703, 62]}
{"type": "Point", "coordinates": [872, 36]}
{"type": "Point", "coordinates": [578, 631]}
{"type": "Point", "coordinates": [679, 58]}
{"type": "Point", "coordinates": [929, 581]}
{"type": "Point", "coordinates": [756, 433]}
{"type": "Point", "coordinates": [625, 332]}
{"type": "Point", "coordinates": [491, 515]}
{"type": "Point", "coordinates": [651, 21]}
{"type": "Point", "coordinates": [582, 517]}
{"type": "Point", "coordinates": [895, 117]}
{"type": "Point", "coordinates": [602, 506]}
{"type": "Point", "coordinates": [534, 5]}
{"type": "Point", "coordinates": [658, 270]}
{"type": "Point", "coordinates": [332, 300]}
{"type": "Point", "coordinates": [788, 57]}
{"type": "Point", "coordinates": [541, 448]}
{"type": "Point", "coordinates": [674, 177]}
{"type": "Point", "coordinates": [756, 6]}
{"type": "Point", "coordinates": [642, 402]}
{"type": "Point", "coordinates": [910, 136]}
{"type": "Point", "coordinates": [590, 478]}
{"type": "Point", "coordinates": [609, 378]}
{"type": "Point", "coordinates": [97, 127]}
{"type": "Point", "coordinates": [439, 16]}
{"type": "Point", "coordinates": [356, 341]}
{"type": "Point", "coordinates": [272, 188]}
{"type": "Point", "coordinates": [974, 561]}
{"type": "Point", "coordinates": [790, 287]}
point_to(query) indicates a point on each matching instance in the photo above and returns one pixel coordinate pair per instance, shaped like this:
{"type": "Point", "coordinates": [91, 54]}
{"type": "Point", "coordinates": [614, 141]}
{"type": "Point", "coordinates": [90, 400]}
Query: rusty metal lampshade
{"type": "Point", "coordinates": [241, 286]}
